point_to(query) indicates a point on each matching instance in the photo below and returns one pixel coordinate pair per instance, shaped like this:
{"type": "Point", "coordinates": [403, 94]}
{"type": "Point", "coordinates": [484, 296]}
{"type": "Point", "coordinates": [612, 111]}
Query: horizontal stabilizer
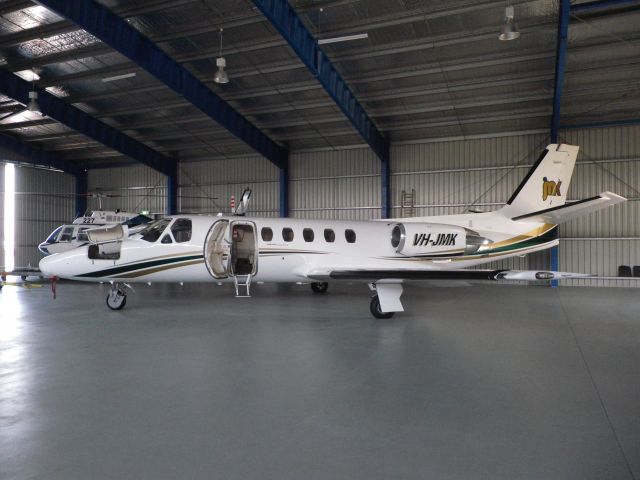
{"type": "Point", "coordinates": [565, 213]}
{"type": "Point", "coordinates": [462, 274]}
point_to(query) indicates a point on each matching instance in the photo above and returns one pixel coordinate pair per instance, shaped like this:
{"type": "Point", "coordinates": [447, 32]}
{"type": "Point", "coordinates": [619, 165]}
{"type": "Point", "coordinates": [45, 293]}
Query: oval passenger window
{"type": "Point", "coordinates": [287, 235]}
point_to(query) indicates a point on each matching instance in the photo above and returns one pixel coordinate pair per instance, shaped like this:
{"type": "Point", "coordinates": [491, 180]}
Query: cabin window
{"type": "Point", "coordinates": [110, 218]}
{"type": "Point", "coordinates": [287, 235]}
{"type": "Point", "coordinates": [308, 235]}
{"type": "Point", "coordinates": [267, 234]}
{"type": "Point", "coordinates": [66, 234]}
{"type": "Point", "coordinates": [166, 239]}
{"type": "Point", "coordinates": [350, 236]}
{"type": "Point", "coordinates": [153, 231]}
{"type": "Point", "coordinates": [329, 235]}
{"type": "Point", "coordinates": [82, 235]}
{"type": "Point", "coordinates": [181, 230]}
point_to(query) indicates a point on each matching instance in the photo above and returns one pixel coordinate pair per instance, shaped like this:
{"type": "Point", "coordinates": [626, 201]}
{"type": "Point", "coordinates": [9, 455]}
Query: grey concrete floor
{"type": "Point", "coordinates": [495, 382]}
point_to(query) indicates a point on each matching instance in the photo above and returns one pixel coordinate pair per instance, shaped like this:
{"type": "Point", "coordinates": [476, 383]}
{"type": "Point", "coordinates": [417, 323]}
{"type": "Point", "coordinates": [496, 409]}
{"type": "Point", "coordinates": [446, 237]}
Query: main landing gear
{"type": "Point", "coordinates": [117, 298]}
{"type": "Point", "coordinates": [376, 311]}
{"type": "Point", "coordinates": [319, 287]}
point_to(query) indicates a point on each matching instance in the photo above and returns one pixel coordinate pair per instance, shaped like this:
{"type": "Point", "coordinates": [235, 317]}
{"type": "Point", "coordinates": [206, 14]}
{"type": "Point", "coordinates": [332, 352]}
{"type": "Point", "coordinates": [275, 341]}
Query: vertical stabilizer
{"type": "Point", "coordinates": [547, 183]}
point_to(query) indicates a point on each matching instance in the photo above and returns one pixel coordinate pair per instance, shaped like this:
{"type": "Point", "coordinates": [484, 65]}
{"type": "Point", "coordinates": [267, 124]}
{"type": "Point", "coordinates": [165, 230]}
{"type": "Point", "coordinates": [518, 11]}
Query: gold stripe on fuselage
{"type": "Point", "coordinates": [536, 232]}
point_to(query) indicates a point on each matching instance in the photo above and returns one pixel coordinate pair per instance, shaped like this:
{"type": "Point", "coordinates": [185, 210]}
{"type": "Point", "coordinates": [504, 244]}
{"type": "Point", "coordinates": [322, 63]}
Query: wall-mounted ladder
{"type": "Point", "coordinates": [408, 204]}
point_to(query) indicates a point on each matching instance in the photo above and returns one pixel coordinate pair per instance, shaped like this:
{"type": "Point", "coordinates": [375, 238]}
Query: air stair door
{"type": "Point", "coordinates": [217, 248]}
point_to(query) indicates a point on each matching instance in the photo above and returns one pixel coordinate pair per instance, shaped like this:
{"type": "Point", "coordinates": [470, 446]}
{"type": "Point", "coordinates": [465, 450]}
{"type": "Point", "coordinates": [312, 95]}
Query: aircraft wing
{"type": "Point", "coordinates": [572, 210]}
{"type": "Point", "coordinates": [461, 274]}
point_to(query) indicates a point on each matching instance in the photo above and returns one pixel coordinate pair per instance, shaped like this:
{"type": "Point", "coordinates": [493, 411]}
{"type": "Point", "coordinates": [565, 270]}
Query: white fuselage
{"type": "Point", "coordinates": [278, 260]}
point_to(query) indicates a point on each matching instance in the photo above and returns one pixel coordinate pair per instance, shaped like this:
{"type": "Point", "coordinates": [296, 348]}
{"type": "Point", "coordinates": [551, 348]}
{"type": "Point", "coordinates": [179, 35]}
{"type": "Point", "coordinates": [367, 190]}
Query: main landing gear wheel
{"type": "Point", "coordinates": [376, 311]}
{"type": "Point", "coordinates": [319, 287]}
{"type": "Point", "coordinates": [117, 299]}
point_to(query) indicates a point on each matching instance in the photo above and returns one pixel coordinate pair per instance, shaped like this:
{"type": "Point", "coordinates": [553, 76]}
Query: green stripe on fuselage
{"type": "Point", "coordinates": [109, 272]}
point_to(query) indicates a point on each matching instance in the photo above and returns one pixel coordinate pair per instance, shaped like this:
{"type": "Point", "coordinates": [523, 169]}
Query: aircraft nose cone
{"type": "Point", "coordinates": [45, 266]}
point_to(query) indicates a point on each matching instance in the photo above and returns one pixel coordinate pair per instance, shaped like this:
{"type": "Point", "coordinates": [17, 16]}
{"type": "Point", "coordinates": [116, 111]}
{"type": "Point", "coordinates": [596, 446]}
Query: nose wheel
{"type": "Point", "coordinates": [117, 298]}
{"type": "Point", "coordinates": [319, 287]}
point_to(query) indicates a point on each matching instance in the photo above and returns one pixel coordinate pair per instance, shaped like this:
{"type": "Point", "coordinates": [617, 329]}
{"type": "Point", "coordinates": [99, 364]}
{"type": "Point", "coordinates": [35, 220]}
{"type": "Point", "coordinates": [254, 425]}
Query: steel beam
{"type": "Point", "coordinates": [286, 20]}
{"type": "Point", "coordinates": [601, 5]}
{"type": "Point", "coordinates": [603, 124]}
{"type": "Point", "coordinates": [14, 87]}
{"type": "Point", "coordinates": [82, 187]}
{"type": "Point", "coordinates": [21, 152]}
{"type": "Point", "coordinates": [116, 32]}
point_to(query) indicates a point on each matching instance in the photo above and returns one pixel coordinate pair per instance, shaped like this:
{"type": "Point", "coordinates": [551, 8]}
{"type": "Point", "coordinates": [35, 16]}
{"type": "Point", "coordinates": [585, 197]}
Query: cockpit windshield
{"type": "Point", "coordinates": [154, 230]}
{"type": "Point", "coordinates": [54, 235]}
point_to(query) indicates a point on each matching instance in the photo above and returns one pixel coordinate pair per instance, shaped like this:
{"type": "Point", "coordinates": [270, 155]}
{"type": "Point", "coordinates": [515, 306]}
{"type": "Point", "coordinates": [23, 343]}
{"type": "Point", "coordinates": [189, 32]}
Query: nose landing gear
{"type": "Point", "coordinates": [117, 298]}
{"type": "Point", "coordinates": [319, 287]}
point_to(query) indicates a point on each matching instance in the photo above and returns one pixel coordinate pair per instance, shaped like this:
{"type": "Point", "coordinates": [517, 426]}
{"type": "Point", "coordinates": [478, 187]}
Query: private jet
{"type": "Point", "coordinates": [381, 253]}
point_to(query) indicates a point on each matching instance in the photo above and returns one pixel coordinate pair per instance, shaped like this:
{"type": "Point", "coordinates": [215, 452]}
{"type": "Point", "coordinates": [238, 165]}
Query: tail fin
{"type": "Point", "coordinates": [546, 184]}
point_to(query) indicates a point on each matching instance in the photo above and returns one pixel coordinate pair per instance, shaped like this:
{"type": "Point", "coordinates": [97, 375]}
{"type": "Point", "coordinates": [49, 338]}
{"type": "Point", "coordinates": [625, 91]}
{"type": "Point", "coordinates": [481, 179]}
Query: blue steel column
{"type": "Point", "coordinates": [284, 189]}
{"type": "Point", "coordinates": [385, 183]}
{"type": "Point", "coordinates": [172, 194]}
{"type": "Point", "coordinates": [82, 185]}
{"type": "Point", "coordinates": [561, 59]}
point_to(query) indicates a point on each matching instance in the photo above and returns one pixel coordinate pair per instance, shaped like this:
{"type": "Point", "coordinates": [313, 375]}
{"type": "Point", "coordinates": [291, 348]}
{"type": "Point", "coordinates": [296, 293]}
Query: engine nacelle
{"type": "Point", "coordinates": [426, 239]}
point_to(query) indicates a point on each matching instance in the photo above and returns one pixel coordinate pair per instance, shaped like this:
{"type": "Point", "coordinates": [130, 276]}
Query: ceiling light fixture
{"type": "Point", "coordinates": [347, 38]}
{"type": "Point", "coordinates": [509, 29]}
{"type": "Point", "coordinates": [221, 75]}
{"type": "Point", "coordinates": [119, 77]}
{"type": "Point", "coordinates": [33, 105]}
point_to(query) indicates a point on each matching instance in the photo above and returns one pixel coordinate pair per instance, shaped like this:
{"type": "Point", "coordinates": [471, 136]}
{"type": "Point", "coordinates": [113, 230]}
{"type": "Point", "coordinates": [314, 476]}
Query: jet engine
{"type": "Point", "coordinates": [426, 239]}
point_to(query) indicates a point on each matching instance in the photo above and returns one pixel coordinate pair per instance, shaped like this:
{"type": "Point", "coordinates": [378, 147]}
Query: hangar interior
{"type": "Point", "coordinates": [465, 115]}
{"type": "Point", "coordinates": [129, 116]}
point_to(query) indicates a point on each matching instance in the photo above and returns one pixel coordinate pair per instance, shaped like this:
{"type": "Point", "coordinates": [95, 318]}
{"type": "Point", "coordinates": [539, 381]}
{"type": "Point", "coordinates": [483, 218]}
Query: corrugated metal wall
{"type": "Point", "coordinates": [46, 201]}
{"type": "Point", "coordinates": [609, 160]}
{"type": "Point", "coordinates": [339, 184]}
{"type": "Point", "coordinates": [132, 189]}
{"type": "Point", "coordinates": [206, 187]}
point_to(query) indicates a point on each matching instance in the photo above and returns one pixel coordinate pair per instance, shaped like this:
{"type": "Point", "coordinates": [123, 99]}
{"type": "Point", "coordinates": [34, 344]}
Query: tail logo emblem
{"type": "Point", "coordinates": [550, 188]}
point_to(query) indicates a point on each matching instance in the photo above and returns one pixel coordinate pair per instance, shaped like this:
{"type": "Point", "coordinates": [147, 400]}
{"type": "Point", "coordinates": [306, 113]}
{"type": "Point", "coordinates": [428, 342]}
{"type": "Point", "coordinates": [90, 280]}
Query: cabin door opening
{"type": "Point", "coordinates": [243, 259]}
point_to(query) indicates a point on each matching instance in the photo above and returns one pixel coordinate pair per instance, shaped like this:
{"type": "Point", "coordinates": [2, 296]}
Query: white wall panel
{"type": "Point", "coordinates": [49, 204]}
{"type": "Point", "coordinates": [206, 187]}
{"type": "Point", "coordinates": [341, 184]}
{"type": "Point", "coordinates": [133, 189]}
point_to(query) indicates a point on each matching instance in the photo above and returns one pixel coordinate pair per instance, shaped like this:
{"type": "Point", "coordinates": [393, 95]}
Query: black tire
{"type": "Point", "coordinates": [119, 306]}
{"type": "Point", "coordinates": [375, 309]}
{"type": "Point", "coordinates": [319, 287]}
